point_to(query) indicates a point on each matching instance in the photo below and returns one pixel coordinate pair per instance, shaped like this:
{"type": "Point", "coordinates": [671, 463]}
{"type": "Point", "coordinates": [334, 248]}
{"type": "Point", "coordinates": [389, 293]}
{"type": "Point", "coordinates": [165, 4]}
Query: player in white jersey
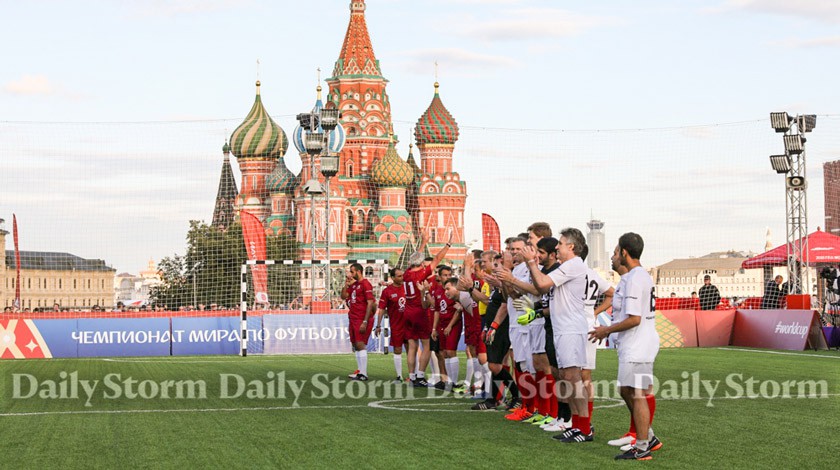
{"type": "Point", "coordinates": [520, 336]}
{"type": "Point", "coordinates": [634, 319]}
{"type": "Point", "coordinates": [569, 322]}
{"type": "Point", "coordinates": [596, 286]}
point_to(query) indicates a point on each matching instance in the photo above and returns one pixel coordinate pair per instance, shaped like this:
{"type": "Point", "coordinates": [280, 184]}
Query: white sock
{"type": "Point", "coordinates": [488, 380]}
{"type": "Point", "coordinates": [476, 371]}
{"type": "Point", "coordinates": [435, 368]}
{"type": "Point", "coordinates": [452, 366]}
{"type": "Point", "coordinates": [361, 359]}
{"type": "Point", "coordinates": [398, 364]}
{"type": "Point", "coordinates": [469, 377]}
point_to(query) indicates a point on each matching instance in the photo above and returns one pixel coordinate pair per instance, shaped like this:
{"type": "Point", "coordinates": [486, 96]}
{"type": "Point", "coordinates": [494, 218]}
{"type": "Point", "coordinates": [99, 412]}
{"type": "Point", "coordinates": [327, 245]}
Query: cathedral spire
{"type": "Point", "coordinates": [225, 210]}
{"type": "Point", "coordinates": [357, 57]}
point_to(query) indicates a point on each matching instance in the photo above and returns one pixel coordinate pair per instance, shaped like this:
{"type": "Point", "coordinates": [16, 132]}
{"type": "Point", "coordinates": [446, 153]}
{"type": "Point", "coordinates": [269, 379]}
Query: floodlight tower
{"type": "Point", "coordinates": [792, 164]}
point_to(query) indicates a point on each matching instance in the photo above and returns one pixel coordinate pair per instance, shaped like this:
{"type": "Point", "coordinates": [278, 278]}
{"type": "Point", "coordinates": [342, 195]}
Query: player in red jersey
{"type": "Point", "coordinates": [392, 303]}
{"type": "Point", "coordinates": [418, 330]}
{"type": "Point", "coordinates": [358, 292]}
{"type": "Point", "coordinates": [446, 327]}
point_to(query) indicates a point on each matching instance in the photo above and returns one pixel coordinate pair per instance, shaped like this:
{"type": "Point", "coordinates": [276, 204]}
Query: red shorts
{"type": "Point", "coordinates": [449, 342]}
{"type": "Point", "coordinates": [355, 336]}
{"type": "Point", "coordinates": [417, 325]}
{"type": "Point", "coordinates": [472, 329]}
{"type": "Point", "coordinates": [397, 332]}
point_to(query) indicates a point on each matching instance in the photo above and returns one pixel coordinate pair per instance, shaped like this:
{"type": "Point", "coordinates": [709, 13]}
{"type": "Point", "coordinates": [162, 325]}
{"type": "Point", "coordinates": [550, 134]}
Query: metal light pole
{"type": "Point", "coordinates": [192, 271]}
{"type": "Point", "coordinates": [792, 164]}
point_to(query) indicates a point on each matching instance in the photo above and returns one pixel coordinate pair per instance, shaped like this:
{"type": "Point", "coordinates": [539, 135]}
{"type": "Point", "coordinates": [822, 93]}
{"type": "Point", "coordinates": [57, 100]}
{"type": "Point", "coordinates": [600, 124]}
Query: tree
{"type": "Point", "coordinates": [210, 272]}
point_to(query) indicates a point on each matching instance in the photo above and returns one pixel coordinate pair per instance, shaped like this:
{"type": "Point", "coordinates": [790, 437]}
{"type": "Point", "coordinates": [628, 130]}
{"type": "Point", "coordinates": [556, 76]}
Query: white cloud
{"type": "Point", "coordinates": [454, 59]}
{"type": "Point", "coordinates": [821, 10]}
{"type": "Point", "coordinates": [30, 85]}
{"type": "Point", "coordinates": [533, 23]}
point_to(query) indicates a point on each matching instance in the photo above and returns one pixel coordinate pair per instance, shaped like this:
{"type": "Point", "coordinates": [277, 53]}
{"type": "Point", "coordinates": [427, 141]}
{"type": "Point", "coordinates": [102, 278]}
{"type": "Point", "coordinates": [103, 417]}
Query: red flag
{"type": "Point", "coordinates": [253, 234]}
{"type": "Point", "coordinates": [17, 263]}
{"type": "Point", "coordinates": [490, 233]}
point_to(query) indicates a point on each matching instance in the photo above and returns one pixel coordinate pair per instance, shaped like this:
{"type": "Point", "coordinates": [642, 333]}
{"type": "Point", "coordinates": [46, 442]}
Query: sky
{"type": "Point", "coordinates": [649, 115]}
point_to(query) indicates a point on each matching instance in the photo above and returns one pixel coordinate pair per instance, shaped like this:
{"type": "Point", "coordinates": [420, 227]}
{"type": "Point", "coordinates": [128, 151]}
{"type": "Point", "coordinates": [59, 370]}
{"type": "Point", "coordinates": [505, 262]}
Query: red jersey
{"type": "Point", "coordinates": [411, 286]}
{"type": "Point", "coordinates": [393, 300]}
{"type": "Point", "coordinates": [442, 304]}
{"type": "Point", "coordinates": [357, 296]}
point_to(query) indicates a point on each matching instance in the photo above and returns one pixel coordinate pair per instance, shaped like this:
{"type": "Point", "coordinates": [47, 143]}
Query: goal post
{"type": "Point", "coordinates": [301, 287]}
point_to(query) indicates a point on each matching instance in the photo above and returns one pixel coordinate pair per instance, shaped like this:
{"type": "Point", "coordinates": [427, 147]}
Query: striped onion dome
{"type": "Point", "coordinates": [391, 170]}
{"type": "Point", "coordinates": [281, 180]}
{"type": "Point", "coordinates": [436, 125]}
{"type": "Point", "coordinates": [258, 136]}
{"type": "Point", "coordinates": [337, 137]}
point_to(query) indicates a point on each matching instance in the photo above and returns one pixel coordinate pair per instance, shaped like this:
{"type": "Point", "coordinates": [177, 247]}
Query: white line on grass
{"type": "Point", "coordinates": [761, 351]}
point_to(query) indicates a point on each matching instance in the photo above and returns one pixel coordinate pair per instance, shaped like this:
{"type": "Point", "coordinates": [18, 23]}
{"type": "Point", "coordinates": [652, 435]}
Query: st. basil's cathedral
{"type": "Point", "coordinates": [379, 203]}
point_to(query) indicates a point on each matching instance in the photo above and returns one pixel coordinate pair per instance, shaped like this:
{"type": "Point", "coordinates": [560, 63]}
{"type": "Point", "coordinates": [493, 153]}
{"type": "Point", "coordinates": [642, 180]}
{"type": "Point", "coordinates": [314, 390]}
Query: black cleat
{"type": "Point", "coordinates": [486, 405]}
{"type": "Point", "coordinates": [635, 454]}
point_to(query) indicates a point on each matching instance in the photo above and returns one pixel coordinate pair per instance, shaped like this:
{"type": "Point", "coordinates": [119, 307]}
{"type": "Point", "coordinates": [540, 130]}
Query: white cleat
{"type": "Point", "coordinates": [543, 426]}
{"type": "Point", "coordinates": [558, 426]}
{"type": "Point", "coordinates": [625, 440]}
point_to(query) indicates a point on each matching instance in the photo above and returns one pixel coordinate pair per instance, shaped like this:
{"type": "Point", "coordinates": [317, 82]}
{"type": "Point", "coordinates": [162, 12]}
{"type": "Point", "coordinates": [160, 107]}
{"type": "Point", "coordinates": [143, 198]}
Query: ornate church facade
{"type": "Point", "coordinates": [378, 202]}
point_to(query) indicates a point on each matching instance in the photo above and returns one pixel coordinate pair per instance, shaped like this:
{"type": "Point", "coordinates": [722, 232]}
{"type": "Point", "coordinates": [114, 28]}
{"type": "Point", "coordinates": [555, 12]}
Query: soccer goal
{"type": "Point", "coordinates": [295, 306]}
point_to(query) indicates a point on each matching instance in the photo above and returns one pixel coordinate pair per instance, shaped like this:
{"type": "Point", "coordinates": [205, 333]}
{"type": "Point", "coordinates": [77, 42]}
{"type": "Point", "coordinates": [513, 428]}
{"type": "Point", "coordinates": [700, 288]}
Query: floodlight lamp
{"type": "Point", "coordinates": [780, 121]}
{"type": "Point", "coordinates": [329, 118]}
{"type": "Point", "coordinates": [780, 163]}
{"type": "Point", "coordinates": [794, 144]}
{"type": "Point", "coordinates": [807, 122]}
{"type": "Point", "coordinates": [314, 142]}
{"type": "Point", "coordinates": [329, 165]}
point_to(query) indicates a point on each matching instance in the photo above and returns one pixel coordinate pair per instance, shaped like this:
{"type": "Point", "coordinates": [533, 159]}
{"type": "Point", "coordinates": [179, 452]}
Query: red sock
{"type": "Point", "coordinates": [530, 391]}
{"type": "Point", "coordinates": [585, 425]}
{"type": "Point", "coordinates": [632, 426]}
{"type": "Point", "coordinates": [652, 405]}
{"type": "Point", "coordinates": [576, 424]}
{"type": "Point", "coordinates": [590, 410]}
{"type": "Point", "coordinates": [542, 393]}
{"type": "Point", "coordinates": [552, 397]}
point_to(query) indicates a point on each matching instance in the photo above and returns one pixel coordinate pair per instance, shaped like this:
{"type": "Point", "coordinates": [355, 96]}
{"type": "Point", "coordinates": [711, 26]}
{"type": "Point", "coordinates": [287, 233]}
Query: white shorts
{"type": "Point", "coordinates": [591, 349]}
{"type": "Point", "coordinates": [520, 342]}
{"type": "Point", "coordinates": [571, 350]}
{"type": "Point", "coordinates": [536, 335]}
{"type": "Point", "coordinates": [638, 375]}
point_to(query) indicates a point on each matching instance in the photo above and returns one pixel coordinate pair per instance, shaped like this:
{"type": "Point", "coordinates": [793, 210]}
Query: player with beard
{"type": "Point", "coordinates": [392, 304]}
{"type": "Point", "coordinates": [358, 292]}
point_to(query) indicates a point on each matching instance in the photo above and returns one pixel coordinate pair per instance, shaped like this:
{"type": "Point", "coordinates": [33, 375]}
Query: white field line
{"type": "Point", "coordinates": [781, 353]}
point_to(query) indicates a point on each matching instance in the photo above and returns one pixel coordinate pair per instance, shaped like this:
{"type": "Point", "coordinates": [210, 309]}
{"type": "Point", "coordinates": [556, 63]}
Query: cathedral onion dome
{"type": "Point", "coordinates": [226, 148]}
{"type": "Point", "coordinates": [436, 125]}
{"type": "Point", "coordinates": [413, 163]}
{"type": "Point", "coordinates": [258, 136]}
{"type": "Point", "coordinates": [391, 170]}
{"type": "Point", "coordinates": [335, 140]}
{"type": "Point", "coordinates": [281, 180]}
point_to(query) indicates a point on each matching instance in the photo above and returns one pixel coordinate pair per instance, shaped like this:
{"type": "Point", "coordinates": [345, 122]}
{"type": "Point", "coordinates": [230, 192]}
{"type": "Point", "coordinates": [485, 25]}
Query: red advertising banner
{"type": "Point", "coordinates": [676, 328]}
{"type": "Point", "coordinates": [253, 234]}
{"type": "Point", "coordinates": [777, 329]}
{"type": "Point", "coordinates": [714, 327]}
{"type": "Point", "coordinates": [491, 237]}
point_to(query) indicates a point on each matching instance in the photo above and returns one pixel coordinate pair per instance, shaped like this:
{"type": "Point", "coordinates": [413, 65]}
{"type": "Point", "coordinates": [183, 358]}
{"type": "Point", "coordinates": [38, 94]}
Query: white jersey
{"type": "Point", "coordinates": [595, 287]}
{"type": "Point", "coordinates": [521, 273]}
{"type": "Point", "coordinates": [635, 296]}
{"type": "Point", "coordinates": [568, 313]}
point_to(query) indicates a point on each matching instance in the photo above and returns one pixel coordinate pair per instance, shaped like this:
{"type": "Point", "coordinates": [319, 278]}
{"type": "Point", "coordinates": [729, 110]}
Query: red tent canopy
{"type": "Point", "coordinates": [823, 248]}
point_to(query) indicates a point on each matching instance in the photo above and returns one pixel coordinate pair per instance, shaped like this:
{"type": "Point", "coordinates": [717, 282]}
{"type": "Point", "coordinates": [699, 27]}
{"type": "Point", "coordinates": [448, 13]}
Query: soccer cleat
{"type": "Point", "coordinates": [420, 382]}
{"type": "Point", "coordinates": [535, 418]}
{"type": "Point", "coordinates": [398, 380]}
{"type": "Point", "coordinates": [569, 432]}
{"type": "Point", "coordinates": [634, 454]}
{"type": "Point", "coordinates": [558, 425]}
{"type": "Point", "coordinates": [544, 422]}
{"type": "Point", "coordinates": [653, 444]}
{"type": "Point", "coordinates": [623, 440]}
{"type": "Point", "coordinates": [441, 385]}
{"type": "Point", "coordinates": [486, 405]}
{"type": "Point", "coordinates": [577, 436]}
{"type": "Point", "coordinates": [459, 389]}
{"type": "Point", "coordinates": [513, 405]}
{"type": "Point", "coordinates": [353, 375]}
{"type": "Point", "coordinates": [520, 414]}
{"type": "Point", "coordinates": [360, 377]}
